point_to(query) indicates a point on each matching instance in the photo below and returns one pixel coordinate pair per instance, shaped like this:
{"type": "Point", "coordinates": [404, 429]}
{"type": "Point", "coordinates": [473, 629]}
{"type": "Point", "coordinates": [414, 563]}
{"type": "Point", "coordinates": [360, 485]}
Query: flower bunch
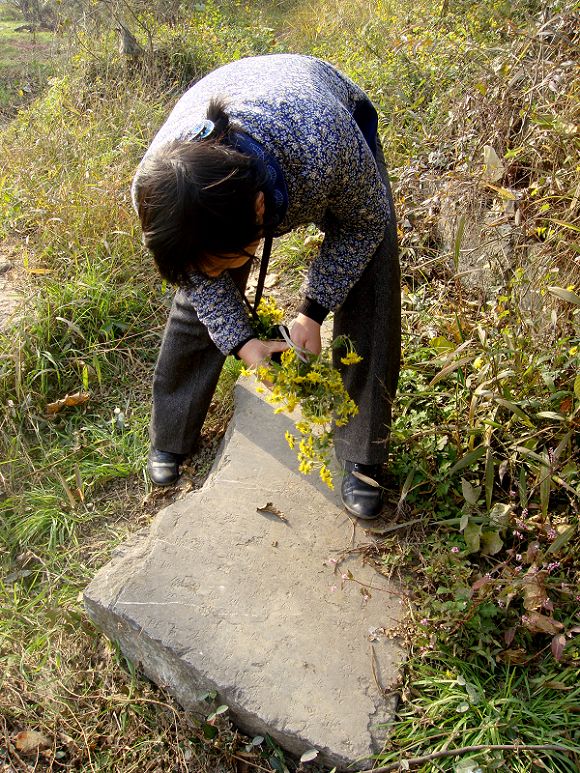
{"type": "Point", "coordinates": [316, 387]}
{"type": "Point", "coordinates": [269, 316]}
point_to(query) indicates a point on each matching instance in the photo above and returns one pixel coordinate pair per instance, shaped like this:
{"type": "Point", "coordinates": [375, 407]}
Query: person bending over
{"type": "Point", "coordinates": [257, 148]}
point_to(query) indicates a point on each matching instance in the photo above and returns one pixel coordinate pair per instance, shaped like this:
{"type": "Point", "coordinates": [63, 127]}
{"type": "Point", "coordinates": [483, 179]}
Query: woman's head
{"type": "Point", "coordinates": [198, 199]}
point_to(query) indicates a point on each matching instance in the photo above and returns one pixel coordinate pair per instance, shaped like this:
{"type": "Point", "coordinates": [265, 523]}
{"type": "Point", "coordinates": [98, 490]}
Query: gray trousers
{"type": "Point", "coordinates": [189, 363]}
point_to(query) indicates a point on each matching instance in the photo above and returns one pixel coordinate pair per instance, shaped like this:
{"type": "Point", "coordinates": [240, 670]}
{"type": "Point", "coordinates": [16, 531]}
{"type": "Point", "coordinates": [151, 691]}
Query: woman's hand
{"type": "Point", "coordinates": [305, 332]}
{"type": "Point", "coordinates": [254, 351]}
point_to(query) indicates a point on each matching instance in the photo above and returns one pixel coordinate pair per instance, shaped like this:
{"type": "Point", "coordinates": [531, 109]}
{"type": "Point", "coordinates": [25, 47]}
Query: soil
{"type": "Point", "coordinates": [10, 294]}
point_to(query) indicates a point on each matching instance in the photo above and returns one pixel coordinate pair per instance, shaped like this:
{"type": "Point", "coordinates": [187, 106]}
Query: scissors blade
{"type": "Point", "coordinates": [300, 352]}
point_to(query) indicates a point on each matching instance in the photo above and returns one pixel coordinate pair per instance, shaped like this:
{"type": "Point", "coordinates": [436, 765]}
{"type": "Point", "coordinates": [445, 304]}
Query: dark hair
{"type": "Point", "coordinates": [196, 198]}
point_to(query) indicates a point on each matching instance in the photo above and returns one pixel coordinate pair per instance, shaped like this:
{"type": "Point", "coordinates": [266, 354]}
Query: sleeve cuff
{"type": "Point", "coordinates": [237, 348]}
{"type": "Point", "coordinates": [313, 310]}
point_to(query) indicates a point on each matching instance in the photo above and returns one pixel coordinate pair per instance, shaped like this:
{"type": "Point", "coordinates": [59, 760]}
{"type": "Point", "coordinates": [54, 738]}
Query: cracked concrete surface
{"type": "Point", "coordinates": [218, 596]}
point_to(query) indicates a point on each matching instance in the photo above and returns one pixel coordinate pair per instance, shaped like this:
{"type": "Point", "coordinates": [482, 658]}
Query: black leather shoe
{"type": "Point", "coordinates": [359, 497]}
{"type": "Point", "coordinates": [163, 466]}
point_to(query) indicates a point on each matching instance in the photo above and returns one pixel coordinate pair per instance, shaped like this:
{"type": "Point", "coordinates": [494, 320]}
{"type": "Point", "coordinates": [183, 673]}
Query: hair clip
{"type": "Point", "coordinates": [202, 130]}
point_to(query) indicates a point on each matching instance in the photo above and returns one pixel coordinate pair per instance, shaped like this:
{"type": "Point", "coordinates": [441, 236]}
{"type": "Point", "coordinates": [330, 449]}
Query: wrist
{"type": "Point", "coordinates": [313, 310]}
{"type": "Point", "coordinates": [236, 351]}
{"type": "Point", "coordinates": [307, 321]}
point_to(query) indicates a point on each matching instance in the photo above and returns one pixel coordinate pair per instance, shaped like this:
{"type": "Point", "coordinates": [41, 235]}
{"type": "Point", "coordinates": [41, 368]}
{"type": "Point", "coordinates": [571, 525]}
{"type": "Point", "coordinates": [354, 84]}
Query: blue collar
{"type": "Point", "coordinates": [275, 193]}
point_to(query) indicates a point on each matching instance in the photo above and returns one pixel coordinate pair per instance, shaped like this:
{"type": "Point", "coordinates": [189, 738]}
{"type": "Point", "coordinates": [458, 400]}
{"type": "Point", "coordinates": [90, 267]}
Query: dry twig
{"type": "Point", "coordinates": [414, 761]}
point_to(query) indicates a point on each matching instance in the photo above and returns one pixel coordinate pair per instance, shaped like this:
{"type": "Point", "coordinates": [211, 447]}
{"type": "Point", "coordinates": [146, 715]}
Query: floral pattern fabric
{"type": "Point", "coordinates": [301, 110]}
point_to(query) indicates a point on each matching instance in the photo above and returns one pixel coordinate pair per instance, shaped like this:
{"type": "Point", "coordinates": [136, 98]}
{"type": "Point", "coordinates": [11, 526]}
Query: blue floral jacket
{"type": "Point", "coordinates": [307, 115]}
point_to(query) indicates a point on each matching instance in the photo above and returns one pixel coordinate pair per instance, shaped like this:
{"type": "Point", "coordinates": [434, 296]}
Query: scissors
{"type": "Point", "coordinates": [302, 354]}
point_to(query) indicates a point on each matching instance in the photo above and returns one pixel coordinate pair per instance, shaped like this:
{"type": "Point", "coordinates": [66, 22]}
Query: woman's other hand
{"type": "Point", "coordinates": [254, 351]}
{"type": "Point", "coordinates": [305, 332]}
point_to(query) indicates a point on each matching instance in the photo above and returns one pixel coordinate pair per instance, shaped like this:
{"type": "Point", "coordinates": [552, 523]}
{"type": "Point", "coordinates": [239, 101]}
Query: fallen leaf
{"type": "Point", "coordinates": [534, 590]}
{"type": "Point", "coordinates": [270, 509]}
{"type": "Point", "coordinates": [558, 644]}
{"type": "Point", "coordinates": [39, 271]}
{"type": "Point", "coordinates": [538, 623]}
{"type": "Point", "coordinates": [365, 479]}
{"type": "Point", "coordinates": [310, 755]}
{"type": "Point", "coordinates": [31, 741]}
{"type": "Point", "coordinates": [493, 166]}
{"type": "Point", "coordinates": [557, 685]}
{"type": "Point", "coordinates": [20, 574]}
{"type": "Point", "coordinates": [78, 398]}
{"type": "Point", "coordinates": [565, 295]}
{"type": "Point", "coordinates": [485, 580]}
{"type": "Point", "coordinates": [515, 656]}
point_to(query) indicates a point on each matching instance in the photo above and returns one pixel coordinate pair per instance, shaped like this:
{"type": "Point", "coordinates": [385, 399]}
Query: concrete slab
{"type": "Point", "coordinates": [220, 596]}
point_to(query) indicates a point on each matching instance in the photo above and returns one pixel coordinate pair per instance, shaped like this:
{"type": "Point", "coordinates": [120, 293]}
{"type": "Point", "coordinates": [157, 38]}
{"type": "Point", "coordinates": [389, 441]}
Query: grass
{"type": "Point", "coordinates": [25, 64]}
{"type": "Point", "coordinates": [484, 450]}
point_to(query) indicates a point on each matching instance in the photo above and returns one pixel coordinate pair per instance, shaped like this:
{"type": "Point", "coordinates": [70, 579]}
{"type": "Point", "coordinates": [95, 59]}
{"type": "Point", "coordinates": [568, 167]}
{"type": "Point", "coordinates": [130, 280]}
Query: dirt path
{"type": "Point", "coordinates": [10, 295]}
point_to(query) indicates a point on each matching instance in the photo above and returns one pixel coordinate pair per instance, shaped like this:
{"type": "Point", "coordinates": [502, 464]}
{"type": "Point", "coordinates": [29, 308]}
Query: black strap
{"type": "Point", "coordinates": [266, 252]}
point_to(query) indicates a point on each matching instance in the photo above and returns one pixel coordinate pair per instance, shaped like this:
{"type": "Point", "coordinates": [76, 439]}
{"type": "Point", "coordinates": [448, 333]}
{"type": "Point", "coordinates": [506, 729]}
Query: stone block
{"type": "Point", "coordinates": [219, 596]}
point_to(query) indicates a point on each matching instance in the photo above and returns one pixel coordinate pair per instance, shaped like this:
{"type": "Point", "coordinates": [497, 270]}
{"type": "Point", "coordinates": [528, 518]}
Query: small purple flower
{"type": "Point", "coordinates": [551, 455]}
{"type": "Point", "coordinates": [519, 557]}
{"type": "Point", "coordinates": [425, 621]}
{"type": "Point", "coordinates": [518, 534]}
{"type": "Point", "coordinates": [525, 512]}
{"type": "Point", "coordinates": [455, 549]}
{"type": "Point", "coordinates": [553, 565]}
{"type": "Point", "coordinates": [552, 534]}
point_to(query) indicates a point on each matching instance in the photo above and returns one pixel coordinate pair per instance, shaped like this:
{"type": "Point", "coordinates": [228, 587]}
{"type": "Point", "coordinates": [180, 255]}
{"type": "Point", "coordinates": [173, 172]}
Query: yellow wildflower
{"type": "Point", "coordinates": [326, 476]}
{"type": "Point", "coordinates": [288, 357]}
{"type": "Point", "coordinates": [290, 439]}
{"type": "Point", "coordinates": [269, 309]}
{"type": "Point", "coordinates": [351, 358]}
